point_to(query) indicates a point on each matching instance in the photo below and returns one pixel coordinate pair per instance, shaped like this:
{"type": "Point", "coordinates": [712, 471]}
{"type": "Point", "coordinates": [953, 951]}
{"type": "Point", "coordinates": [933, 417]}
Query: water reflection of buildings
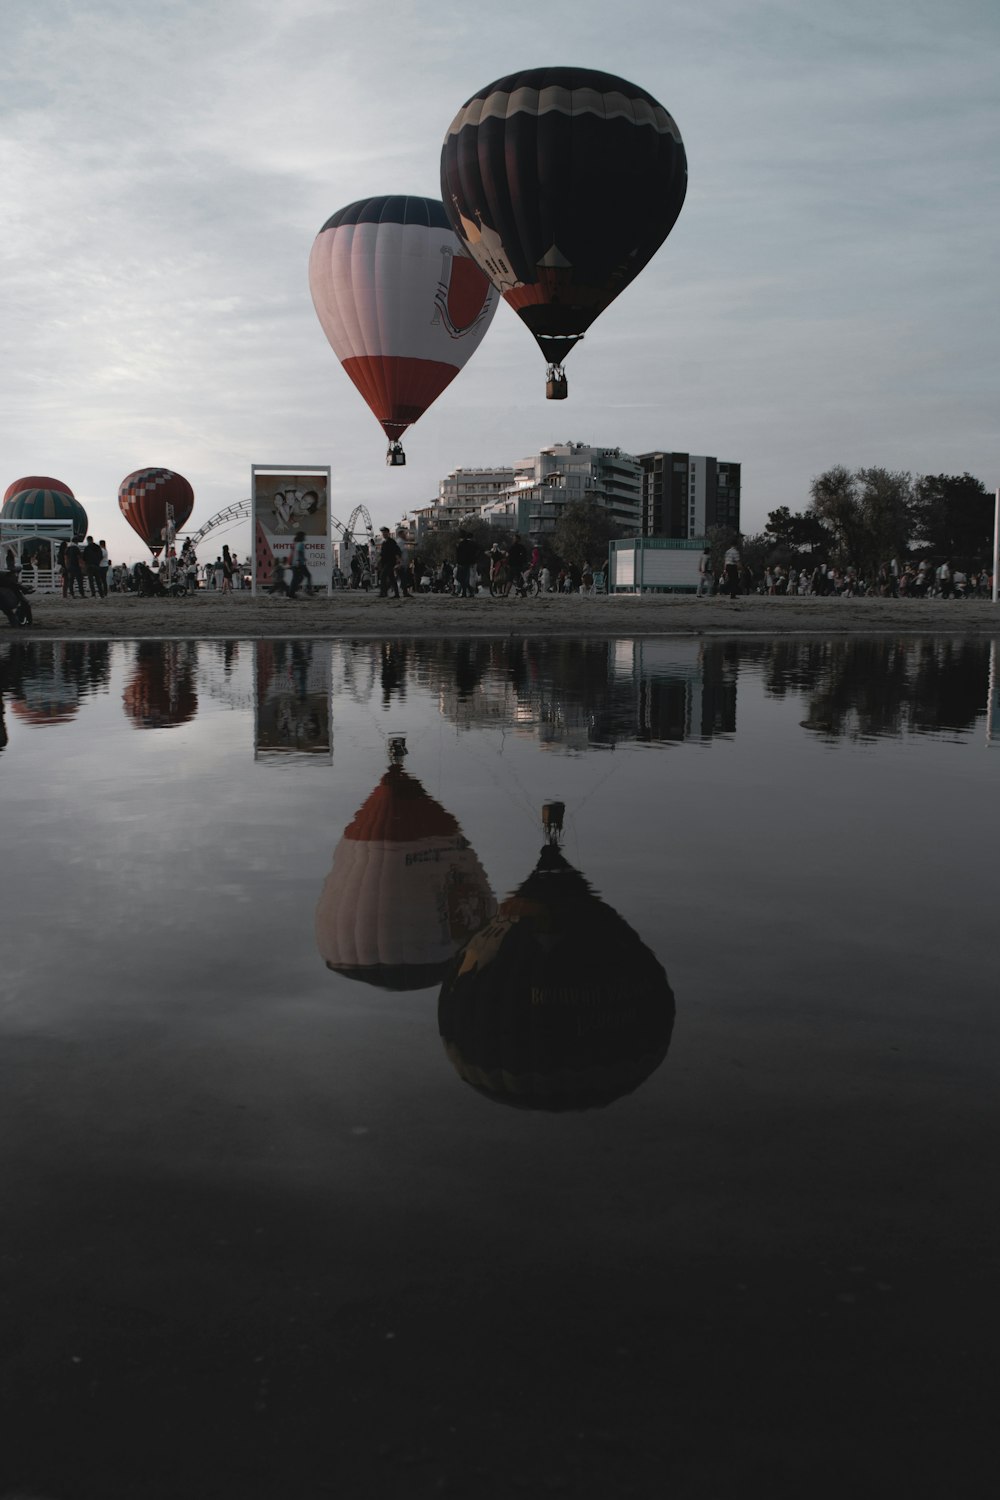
{"type": "Point", "coordinates": [406, 890]}
{"type": "Point", "coordinates": [587, 694]}
{"type": "Point", "coordinates": [555, 1003]}
{"type": "Point", "coordinates": [580, 693]}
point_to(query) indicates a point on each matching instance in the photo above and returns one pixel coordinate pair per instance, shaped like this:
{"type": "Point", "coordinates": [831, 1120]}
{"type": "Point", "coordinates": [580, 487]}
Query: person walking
{"type": "Point", "coordinates": [388, 556]}
{"type": "Point", "coordinates": [403, 570]}
{"type": "Point", "coordinates": [103, 568]}
{"type": "Point", "coordinates": [300, 570]}
{"type": "Point", "coordinates": [705, 578]}
{"type": "Point", "coordinates": [731, 568]}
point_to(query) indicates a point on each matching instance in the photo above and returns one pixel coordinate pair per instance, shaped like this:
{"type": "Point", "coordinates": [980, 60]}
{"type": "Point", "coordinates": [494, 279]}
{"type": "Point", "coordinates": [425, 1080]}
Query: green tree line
{"type": "Point", "coordinates": [862, 518]}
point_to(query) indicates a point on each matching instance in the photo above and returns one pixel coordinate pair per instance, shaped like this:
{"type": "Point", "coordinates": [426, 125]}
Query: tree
{"type": "Point", "coordinates": [836, 501]}
{"type": "Point", "coordinates": [439, 545]}
{"type": "Point", "coordinates": [583, 532]}
{"type": "Point", "coordinates": [792, 533]}
{"type": "Point", "coordinates": [870, 513]}
{"type": "Point", "coordinates": [954, 518]}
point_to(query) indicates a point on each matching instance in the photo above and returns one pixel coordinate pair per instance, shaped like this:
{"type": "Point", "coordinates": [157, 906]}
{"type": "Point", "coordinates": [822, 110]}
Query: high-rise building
{"type": "Point", "coordinates": [465, 492]}
{"type": "Point", "coordinates": [565, 472]}
{"type": "Point", "coordinates": [686, 494]}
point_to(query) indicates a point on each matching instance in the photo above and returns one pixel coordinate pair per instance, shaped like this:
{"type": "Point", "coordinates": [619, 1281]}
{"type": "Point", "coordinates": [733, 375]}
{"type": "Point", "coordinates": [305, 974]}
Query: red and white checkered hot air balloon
{"type": "Point", "coordinates": [402, 303]}
{"type": "Point", "coordinates": [406, 891]}
{"type": "Point", "coordinates": [143, 498]}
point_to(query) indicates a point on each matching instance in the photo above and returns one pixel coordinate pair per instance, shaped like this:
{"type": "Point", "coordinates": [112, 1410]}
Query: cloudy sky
{"type": "Point", "coordinates": [828, 295]}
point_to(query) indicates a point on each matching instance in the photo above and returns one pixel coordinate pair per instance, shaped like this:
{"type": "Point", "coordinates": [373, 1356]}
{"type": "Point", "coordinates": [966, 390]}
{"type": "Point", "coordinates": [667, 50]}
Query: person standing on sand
{"type": "Point", "coordinates": [74, 567]}
{"type": "Point", "coordinates": [388, 556]}
{"type": "Point", "coordinates": [732, 570]}
{"type": "Point", "coordinates": [465, 557]}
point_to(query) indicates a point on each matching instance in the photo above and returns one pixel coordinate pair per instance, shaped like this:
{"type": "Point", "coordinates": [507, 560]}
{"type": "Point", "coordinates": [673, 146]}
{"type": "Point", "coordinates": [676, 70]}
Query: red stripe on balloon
{"type": "Point", "coordinates": [399, 390]}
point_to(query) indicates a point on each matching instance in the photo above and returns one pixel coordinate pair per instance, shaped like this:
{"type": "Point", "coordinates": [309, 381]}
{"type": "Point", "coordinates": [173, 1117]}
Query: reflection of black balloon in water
{"type": "Point", "coordinates": [405, 892]}
{"type": "Point", "coordinates": [556, 1003]}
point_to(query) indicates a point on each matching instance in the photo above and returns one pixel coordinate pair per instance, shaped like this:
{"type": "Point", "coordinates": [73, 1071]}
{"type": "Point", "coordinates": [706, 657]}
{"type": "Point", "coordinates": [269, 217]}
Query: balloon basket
{"type": "Point", "coordinates": [395, 457]}
{"type": "Point", "coordinates": [555, 383]}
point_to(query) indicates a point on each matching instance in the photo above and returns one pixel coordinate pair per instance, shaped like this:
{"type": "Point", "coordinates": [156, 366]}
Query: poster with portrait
{"type": "Point", "coordinates": [287, 501]}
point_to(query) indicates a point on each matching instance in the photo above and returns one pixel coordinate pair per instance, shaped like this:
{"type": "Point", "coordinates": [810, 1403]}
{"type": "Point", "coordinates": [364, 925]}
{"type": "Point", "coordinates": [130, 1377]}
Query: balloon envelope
{"type": "Point", "coordinates": [562, 183]}
{"type": "Point", "coordinates": [46, 505]}
{"type": "Point", "coordinates": [36, 482]}
{"type": "Point", "coordinates": [143, 498]}
{"type": "Point", "coordinates": [556, 1003]}
{"type": "Point", "coordinates": [405, 892]}
{"type": "Point", "coordinates": [401, 303]}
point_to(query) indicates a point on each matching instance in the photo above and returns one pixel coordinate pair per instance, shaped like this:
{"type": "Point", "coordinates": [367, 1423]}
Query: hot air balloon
{"type": "Point", "coordinates": [403, 306]}
{"type": "Point", "coordinates": [49, 690]}
{"type": "Point", "coordinates": [405, 892]}
{"type": "Point", "coordinates": [556, 1003]}
{"type": "Point", "coordinates": [36, 482]}
{"type": "Point", "coordinates": [161, 692]}
{"type": "Point", "coordinates": [143, 498]}
{"type": "Point", "coordinates": [562, 183]}
{"type": "Point", "coordinates": [45, 504]}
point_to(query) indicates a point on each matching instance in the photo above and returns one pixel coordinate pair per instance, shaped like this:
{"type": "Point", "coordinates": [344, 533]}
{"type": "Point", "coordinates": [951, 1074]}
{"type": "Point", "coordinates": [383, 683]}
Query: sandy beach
{"type": "Point", "coordinates": [352, 613]}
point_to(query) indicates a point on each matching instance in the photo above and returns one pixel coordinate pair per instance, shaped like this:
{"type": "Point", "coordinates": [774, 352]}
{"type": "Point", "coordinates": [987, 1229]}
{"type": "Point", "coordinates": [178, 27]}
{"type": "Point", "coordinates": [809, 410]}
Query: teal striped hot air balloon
{"type": "Point", "coordinates": [46, 505]}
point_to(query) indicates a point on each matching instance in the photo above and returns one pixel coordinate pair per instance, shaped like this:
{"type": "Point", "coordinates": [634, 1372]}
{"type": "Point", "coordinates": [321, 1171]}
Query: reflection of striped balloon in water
{"type": "Point", "coordinates": [556, 1003]}
{"type": "Point", "coordinates": [401, 303]}
{"type": "Point", "coordinates": [405, 891]}
{"type": "Point", "coordinates": [161, 692]}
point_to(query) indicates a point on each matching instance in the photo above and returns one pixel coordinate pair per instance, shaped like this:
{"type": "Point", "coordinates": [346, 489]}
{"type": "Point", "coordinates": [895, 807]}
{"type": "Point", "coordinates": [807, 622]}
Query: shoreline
{"type": "Point", "coordinates": [244, 616]}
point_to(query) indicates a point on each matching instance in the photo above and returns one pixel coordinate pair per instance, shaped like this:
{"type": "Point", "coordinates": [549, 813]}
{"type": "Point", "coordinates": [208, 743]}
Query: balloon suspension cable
{"type": "Point", "coordinates": [394, 455]}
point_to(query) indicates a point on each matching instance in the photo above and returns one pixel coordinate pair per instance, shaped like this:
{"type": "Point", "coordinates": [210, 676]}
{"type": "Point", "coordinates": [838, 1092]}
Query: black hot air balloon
{"type": "Point", "coordinates": [562, 183]}
{"type": "Point", "coordinates": [556, 1003]}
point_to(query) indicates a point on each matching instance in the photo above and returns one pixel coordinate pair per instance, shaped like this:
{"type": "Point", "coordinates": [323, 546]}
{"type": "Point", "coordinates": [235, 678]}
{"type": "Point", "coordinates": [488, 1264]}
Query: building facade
{"type": "Point", "coordinates": [563, 473]}
{"type": "Point", "coordinates": [686, 494]}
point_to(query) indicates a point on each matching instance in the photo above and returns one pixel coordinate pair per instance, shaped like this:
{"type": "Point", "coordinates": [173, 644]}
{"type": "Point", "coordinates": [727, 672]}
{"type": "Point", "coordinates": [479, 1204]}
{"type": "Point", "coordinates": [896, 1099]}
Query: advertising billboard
{"type": "Point", "coordinates": [287, 501]}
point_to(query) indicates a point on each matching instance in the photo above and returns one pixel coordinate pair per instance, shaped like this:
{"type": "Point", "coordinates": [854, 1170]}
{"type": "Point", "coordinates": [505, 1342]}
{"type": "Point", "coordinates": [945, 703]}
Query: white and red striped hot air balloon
{"type": "Point", "coordinates": [402, 303]}
{"type": "Point", "coordinates": [406, 891]}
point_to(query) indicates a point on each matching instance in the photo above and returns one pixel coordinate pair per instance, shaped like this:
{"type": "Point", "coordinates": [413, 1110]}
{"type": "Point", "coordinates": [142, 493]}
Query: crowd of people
{"type": "Point", "coordinates": [514, 568]}
{"type": "Point", "coordinates": [892, 580]}
{"type": "Point", "coordinates": [85, 570]}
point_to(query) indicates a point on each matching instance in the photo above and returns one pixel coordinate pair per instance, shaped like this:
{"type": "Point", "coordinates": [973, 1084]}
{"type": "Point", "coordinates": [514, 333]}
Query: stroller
{"type": "Point", "coordinates": [14, 601]}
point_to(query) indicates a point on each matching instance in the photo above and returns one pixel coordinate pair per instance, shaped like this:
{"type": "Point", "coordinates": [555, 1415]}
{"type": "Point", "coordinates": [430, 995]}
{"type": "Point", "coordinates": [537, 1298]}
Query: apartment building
{"type": "Point", "coordinates": [686, 494]}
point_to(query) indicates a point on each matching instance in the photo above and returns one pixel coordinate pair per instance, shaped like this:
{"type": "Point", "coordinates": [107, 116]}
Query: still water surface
{"type": "Point", "coordinates": [677, 1179]}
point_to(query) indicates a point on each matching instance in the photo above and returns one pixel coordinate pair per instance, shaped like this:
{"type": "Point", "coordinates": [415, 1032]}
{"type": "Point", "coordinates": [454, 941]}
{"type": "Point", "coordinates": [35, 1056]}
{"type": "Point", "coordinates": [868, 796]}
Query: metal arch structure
{"type": "Point", "coordinates": [243, 510]}
{"type": "Point", "coordinates": [359, 514]}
